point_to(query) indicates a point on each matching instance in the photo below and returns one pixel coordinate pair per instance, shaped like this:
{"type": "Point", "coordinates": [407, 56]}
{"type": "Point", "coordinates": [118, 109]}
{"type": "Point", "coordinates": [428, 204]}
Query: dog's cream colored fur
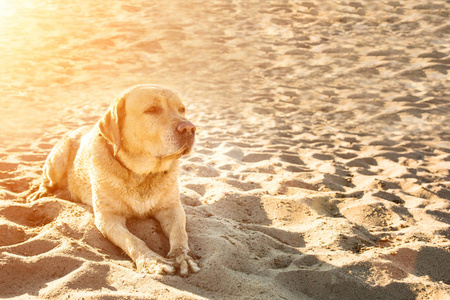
{"type": "Point", "coordinates": [126, 166]}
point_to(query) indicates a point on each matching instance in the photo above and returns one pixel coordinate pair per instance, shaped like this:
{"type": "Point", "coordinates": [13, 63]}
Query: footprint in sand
{"type": "Point", "coordinates": [8, 167]}
{"type": "Point", "coordinates": [36, 215]}
{"type": "Point", "coordinates": [20, 275]}
{"type": "Point", "coordinates": [31, 247]}
{"type": "Point", "coordinates": [18, 243]}
{"type": "Point", "coordinates": [7, 170]}
{"type": "Point", "coordinates": [45, 146]}
{"type": "Point", "coordinates": [33, 157]}
{"type": "Point", "coordinates": [15, 185]}
{"type": "Point", "coordinates": [364, 162]}
{"type": "Point", "coordinates": [198, 188]}
{"type": "Point", "coordinates": [11, 234]}
{"type": "Point", "coordinates": [256, 157]}
{"type": "Point", "coordinates": [16, 228]}
{"type": "Point", "coordinates": [292, 159]}
{"type": "Point", "coordinates": [200, 170]}
{"type": "Point", "coordinates": [243, 185]}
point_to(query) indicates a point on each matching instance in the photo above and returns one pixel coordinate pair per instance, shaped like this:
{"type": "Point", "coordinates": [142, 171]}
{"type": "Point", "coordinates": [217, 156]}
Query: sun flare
{"type": "Point", "coordinates": [6, 8]}
{"type": "Point", "coordinates": [10, 8]}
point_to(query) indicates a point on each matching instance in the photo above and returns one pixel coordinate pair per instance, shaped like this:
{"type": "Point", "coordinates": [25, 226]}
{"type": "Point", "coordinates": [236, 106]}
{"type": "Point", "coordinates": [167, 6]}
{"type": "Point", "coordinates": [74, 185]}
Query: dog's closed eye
{"type": "Point", "coordinates": [153, 110]}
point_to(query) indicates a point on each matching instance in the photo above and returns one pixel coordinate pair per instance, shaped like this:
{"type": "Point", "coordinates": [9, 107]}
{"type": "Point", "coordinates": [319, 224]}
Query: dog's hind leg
{"type": "Point", "coordinates": [55, 169]}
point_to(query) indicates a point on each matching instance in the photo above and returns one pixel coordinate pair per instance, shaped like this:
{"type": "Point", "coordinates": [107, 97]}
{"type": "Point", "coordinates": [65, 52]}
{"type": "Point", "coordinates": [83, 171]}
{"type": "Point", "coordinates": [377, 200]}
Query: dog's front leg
{"type": "Point", "coordinates": [173, 224]}
{"type": "Point", "coordinates": [113, 227]}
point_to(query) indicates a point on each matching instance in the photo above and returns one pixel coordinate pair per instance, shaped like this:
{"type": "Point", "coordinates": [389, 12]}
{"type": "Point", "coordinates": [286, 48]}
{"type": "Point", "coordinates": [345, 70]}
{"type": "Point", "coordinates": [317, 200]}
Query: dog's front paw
{"type": "Point", "coordinates": [155, 266]}
{"type": "Point", "coordinates": [184, 261]}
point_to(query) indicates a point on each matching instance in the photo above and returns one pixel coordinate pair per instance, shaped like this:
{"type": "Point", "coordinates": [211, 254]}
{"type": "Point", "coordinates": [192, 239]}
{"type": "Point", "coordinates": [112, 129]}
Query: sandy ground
{"type": "Point", "coordinates": [322, 161]}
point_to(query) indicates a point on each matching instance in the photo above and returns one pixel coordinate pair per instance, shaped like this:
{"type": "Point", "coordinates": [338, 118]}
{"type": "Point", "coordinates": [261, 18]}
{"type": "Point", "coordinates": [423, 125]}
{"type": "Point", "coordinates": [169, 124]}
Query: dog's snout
{"type": "Point", "coordinates": [186, 128]}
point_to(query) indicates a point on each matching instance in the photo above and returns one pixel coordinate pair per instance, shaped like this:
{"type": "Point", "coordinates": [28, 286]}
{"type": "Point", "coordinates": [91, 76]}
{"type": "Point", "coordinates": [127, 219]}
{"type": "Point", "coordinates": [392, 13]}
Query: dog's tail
{"type": "Point", "coordinates": [35, 192]}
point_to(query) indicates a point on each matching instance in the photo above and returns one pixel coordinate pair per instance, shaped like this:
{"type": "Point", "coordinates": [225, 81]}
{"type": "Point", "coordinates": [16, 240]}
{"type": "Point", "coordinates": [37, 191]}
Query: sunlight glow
{"type": "Point", "coordinates": [7, 8]}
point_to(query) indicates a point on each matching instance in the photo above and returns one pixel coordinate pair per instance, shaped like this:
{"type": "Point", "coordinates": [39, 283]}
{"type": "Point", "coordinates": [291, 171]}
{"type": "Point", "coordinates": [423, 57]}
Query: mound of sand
{"type": "Point", "coordinates": [322, 161]}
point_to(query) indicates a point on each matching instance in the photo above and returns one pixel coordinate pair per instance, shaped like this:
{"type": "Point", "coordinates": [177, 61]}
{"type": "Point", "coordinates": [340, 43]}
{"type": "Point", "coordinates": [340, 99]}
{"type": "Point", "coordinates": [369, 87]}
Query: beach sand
{"type": "Point", "coordinates": [321, 168]}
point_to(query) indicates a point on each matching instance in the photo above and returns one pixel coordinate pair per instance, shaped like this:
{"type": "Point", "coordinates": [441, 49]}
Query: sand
{"type": "Point", "coordinates": [321, 168]}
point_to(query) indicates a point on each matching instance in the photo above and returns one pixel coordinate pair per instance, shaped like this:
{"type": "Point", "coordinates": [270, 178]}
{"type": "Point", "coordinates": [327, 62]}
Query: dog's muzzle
{"type": "Point", "coordinates": [186, 134]}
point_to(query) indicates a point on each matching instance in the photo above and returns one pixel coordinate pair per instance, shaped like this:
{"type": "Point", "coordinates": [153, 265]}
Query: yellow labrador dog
{"type": "Point", "coordinates": [126, 166]}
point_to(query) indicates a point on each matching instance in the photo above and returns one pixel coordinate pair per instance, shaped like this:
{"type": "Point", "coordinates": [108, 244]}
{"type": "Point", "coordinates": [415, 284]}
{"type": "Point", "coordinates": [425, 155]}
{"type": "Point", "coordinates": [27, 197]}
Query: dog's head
{"type": "Point", "coordinates": [148, 119]}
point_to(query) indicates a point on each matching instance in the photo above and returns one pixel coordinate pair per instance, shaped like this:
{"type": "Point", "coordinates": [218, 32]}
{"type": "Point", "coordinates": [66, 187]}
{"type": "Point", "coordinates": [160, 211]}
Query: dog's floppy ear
{"type": "Point", "coordinates": [110, 123]}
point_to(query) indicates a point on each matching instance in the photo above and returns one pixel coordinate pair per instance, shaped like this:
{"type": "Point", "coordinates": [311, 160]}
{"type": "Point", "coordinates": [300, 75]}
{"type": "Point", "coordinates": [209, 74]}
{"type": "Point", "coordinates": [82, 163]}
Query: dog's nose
{"type": "Point", "coordinates": [186, 128]}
